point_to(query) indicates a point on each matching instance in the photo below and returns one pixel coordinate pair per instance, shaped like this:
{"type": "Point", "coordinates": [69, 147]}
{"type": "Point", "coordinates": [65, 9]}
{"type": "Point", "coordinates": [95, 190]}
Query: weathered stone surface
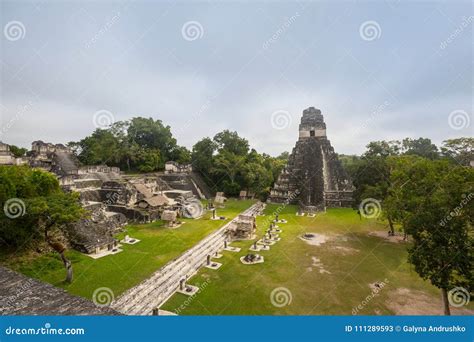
{"type": "Point", "coordinates": [21, 295]}
{"type": "Point", "coordinates": [96, 233]}
{"type": "Point", "coordinates": [243, 227]}
{"type": "Point", "coordinates": [314, 177]}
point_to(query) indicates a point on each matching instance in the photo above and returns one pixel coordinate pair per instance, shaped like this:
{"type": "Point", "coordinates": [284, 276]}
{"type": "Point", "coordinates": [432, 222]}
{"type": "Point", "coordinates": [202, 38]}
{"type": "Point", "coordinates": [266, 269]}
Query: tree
{"type": "Point", "coordinates": [180, 154]}
{"type": "Point", "coordinates": [284, 156]}
{"type": "Point", "coordinates": [202, 156]}
{"type": "Point", "coordinates": [149, 160]}
{"type": "Point", "coordinates": [460, 150]}
{"type": "Point", "coordinates": [231, 142]}
{"type": "Point", "coordinates": [228, 164]}
{"type": "Point", "coordinates": [437, 210]}
{"type": "Point", "coordinates": [142, 144]}
{"type": "Point", "coordinates": [350, 164]}
{"type": "Point", "coordinates": [371, 176]}
{"type": "Point", "coordinates": [44, 209]}
{"type": "Point", "coordinates": [102, 147]}
{"type": "Point", "coordinates": [17, 151]}
{"type": "Point", "coordinates": [383, 148]}
{"type": "Point", "coordinates": [420, 147]}
{"type": "Point", "coordinates": [151, 134]}
{"type": "Point", "coordinates": [257, 178]}
{"type": "Point", "coordinates": [51, 213]}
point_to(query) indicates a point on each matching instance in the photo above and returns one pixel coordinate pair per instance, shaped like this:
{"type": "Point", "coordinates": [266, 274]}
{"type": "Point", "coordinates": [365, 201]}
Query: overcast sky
{"type": "Point", "coordinates": [377, 70]}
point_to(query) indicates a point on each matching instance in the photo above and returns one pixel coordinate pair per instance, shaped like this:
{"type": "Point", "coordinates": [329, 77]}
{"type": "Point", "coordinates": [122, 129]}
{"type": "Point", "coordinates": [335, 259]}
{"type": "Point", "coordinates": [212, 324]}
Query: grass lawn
{"type": "Point", "coordinates": [137, 262]}
{"type": "Point", "coordinates": [339, 281]}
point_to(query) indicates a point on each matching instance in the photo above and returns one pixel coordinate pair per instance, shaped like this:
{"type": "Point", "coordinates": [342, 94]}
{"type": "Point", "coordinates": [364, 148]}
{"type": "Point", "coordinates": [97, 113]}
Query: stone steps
{"type": "Point", "coordinates": [154, 291]}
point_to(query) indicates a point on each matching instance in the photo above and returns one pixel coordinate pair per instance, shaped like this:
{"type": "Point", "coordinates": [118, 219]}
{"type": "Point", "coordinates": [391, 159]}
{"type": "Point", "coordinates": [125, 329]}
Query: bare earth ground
{"type": "Point", "coordinates": [403, 301]}
{"type": "Point", "coordinates": [397, 238]}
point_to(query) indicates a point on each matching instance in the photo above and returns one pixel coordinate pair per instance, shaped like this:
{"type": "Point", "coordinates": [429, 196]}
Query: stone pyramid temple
{"type": "Point", "coordinates": [314, 177]}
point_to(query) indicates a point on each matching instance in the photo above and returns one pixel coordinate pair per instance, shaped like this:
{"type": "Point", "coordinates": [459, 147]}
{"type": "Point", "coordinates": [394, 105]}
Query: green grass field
{"type": "Point", "coordinates": [137, 262]}
{"type": "Point", "coordinates": [348, 263]}
{"type": "Point", "coordinates": [333, 278]}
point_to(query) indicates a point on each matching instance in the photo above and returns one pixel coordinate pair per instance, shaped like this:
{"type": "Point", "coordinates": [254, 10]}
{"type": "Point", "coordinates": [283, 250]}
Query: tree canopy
{"type": "Point", "coordinates": [228, 165]}
{"type": "Point", "coordinates": [139, 144]}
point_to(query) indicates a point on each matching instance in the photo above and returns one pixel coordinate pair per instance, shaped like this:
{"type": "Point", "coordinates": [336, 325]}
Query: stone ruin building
{"type": "Point", "coordinates": [174, 167]}
{"type": "Point", "coordinates": [243, 228]}
{"type": "Point", "coordinates": [314, 177]}
{"type": "Point", "coordinates": [7, 157]}
{"type": "Point", "coordinates": [244, 194]}
{"type": "Point", "coordinates": [112, 198]}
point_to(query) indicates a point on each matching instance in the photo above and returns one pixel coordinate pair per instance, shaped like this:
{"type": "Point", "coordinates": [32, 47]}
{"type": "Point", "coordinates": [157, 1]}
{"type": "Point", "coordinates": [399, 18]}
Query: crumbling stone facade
{"type": "Point", "coordinates": [314, 177]}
